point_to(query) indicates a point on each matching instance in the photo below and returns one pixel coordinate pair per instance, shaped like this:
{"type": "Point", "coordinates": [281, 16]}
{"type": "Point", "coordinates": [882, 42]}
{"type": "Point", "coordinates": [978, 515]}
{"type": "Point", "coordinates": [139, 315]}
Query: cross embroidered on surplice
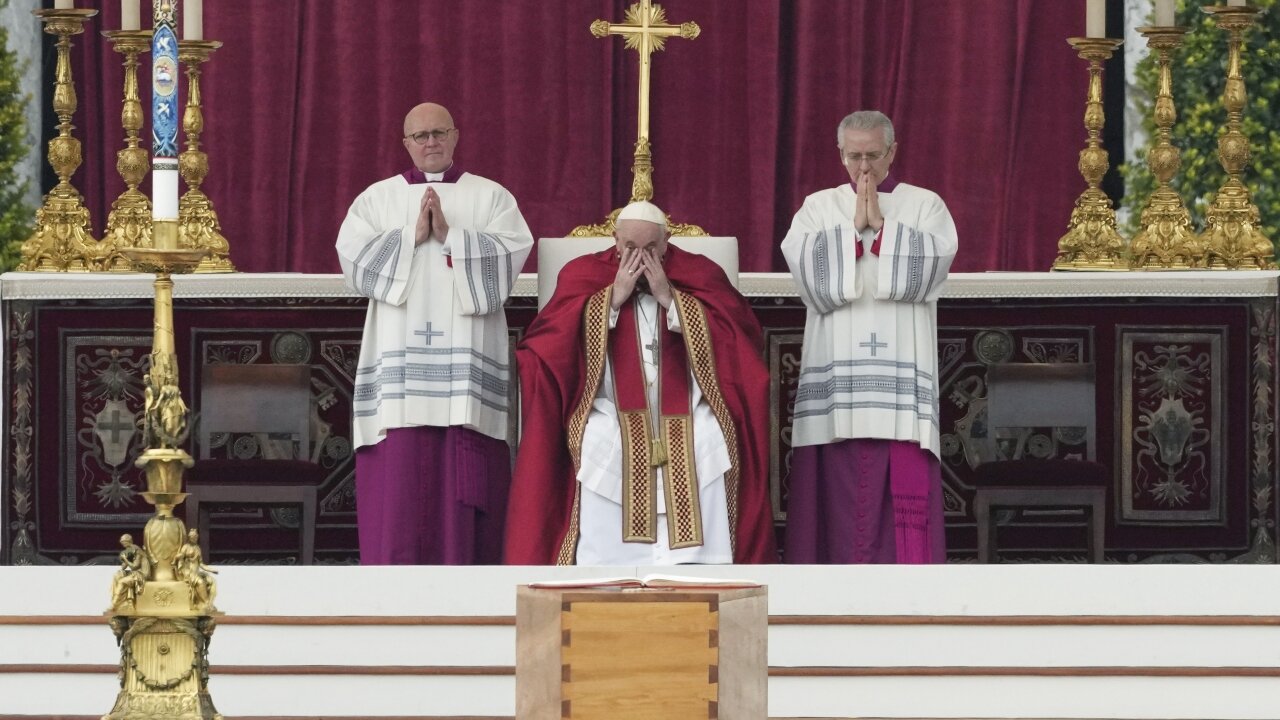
{"type": "Point", "coordinates": [873, 345]}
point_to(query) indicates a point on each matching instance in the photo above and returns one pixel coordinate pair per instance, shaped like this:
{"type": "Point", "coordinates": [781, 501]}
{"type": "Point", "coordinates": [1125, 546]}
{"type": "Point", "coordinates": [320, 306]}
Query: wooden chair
{"type": "Point", "coordinates": [1032, 395]}
{"type": "Point", "coordinates": [262, 400]}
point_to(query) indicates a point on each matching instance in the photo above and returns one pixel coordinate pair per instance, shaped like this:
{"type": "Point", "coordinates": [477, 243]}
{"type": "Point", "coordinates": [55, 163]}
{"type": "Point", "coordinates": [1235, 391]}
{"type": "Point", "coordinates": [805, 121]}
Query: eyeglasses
{"type": "Point", "coordinates": [857, 158]}
{"type": "Point", "coordinates": [437, 135]}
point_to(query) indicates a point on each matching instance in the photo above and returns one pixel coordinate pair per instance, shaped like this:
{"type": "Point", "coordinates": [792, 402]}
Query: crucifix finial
{"type": "Point", "coordinates": [644, 29]}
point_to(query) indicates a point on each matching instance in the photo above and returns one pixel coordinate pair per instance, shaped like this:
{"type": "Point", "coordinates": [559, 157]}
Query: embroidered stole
{"type": "Point", "coordinates": [645, 447]}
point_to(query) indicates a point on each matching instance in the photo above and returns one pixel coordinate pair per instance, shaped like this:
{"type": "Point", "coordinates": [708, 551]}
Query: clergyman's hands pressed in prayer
{"type": "Point", "coordinates": [874, 218]}
{"type": "Point", "coordinates": [439, 226]}
{"type": "Point", "coordinates": [867, 205]}
{"type": "Point", "coordinates": [624, 283]}
{"type": "Point", "coordinates": [422, 230]}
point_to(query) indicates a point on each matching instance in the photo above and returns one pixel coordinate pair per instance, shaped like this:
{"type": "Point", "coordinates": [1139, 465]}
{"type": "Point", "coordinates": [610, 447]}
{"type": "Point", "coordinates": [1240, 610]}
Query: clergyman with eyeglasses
{"type": "Point", "coordinates": [869, 258]}
{"type": "Point", "coordinates": [436, 250]}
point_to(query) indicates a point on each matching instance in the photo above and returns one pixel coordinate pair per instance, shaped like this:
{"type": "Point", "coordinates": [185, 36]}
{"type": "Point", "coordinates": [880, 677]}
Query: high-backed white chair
{"type": "Point", "coordinates": [554, 253]}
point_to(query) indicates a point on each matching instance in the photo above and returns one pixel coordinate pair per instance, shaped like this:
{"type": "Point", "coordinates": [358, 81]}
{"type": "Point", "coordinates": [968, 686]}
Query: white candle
{"type": "Point", "coordinates": [1164, 13]}
{"type": "Point", "coordinates": [1095, 19]}
{"type": "Point", "coordinates": [165, 116]}
{"type": "Point", "coordinates": [129, 17]}
{"type": "Point", "coordinates": [63, 4]}
{"type": "Point", "coordinates": [192, 20]}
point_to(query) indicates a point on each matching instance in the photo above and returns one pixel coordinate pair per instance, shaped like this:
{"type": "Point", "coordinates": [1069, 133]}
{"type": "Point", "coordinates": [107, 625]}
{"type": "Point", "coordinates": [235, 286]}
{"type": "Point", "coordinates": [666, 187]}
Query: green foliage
{"type": "Point", "coordinates": [16, 216]}
{"type": "Point", "coordinates": [1199, 73]}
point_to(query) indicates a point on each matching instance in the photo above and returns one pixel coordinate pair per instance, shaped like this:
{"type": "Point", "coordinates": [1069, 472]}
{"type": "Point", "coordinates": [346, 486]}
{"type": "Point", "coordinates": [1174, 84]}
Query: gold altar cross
{"type": "Point", "coordinates": [645, 30]}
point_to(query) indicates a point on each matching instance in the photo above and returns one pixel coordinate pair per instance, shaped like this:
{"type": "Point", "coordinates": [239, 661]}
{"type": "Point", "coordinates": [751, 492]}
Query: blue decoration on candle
{"type": "Point", "coordinates": [164, 82]}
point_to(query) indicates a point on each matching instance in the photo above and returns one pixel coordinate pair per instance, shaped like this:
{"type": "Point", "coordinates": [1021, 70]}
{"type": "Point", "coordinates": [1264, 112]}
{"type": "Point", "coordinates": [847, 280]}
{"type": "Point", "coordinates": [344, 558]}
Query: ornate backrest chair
{"type": "Point", "coordinates": [1020, 398]}
{"type": "Point", "coordinates": [265, 413]}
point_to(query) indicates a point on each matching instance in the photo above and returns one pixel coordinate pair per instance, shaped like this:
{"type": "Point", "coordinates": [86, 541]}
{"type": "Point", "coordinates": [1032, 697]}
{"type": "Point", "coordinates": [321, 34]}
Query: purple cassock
{"type": "Point", "coordinates": [432, 496]}
{"type": "Point", "coordinates": [865, 501]}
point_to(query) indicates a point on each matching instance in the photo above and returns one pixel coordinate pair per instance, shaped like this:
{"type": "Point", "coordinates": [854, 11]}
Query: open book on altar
{"type": "Point", "coordinates": [652, 580]}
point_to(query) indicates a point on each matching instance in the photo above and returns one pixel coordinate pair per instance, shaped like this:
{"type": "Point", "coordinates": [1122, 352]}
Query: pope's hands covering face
{"type": "Point", "coordinates": [640, 268]}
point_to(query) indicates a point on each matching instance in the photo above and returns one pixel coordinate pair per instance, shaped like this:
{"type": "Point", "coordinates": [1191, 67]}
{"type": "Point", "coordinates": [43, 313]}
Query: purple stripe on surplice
{"type": "Point", "coordinates": [432, 496]}
{"type": "Point", "coordinates": [865, 501]}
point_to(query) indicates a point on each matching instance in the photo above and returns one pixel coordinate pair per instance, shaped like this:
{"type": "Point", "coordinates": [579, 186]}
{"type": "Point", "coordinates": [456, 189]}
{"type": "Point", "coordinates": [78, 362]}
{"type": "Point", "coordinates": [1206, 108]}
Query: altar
{"type": "Point", "coordinates": [1201, 345]}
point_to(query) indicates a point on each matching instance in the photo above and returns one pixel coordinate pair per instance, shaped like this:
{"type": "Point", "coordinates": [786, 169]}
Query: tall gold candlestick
{"type": "Point", "coordinates": [1166, 241]}
{"type": "Point", "coordinates": [162, 596]}
{"type": "Point", "coordinates": [1091, 242]}
{"type": "Point", "coordinates": [129, 224]}
{"type": "Point", "coordinates": [63, 240]}
{"type": "Point", "coordinates": [1232, 235]}
{"type": "Point", "coordinates": [198, 223]}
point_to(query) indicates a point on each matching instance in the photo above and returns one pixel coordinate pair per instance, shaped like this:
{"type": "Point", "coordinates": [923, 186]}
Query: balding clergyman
{"type": "Point", "coordinates": [436, 250]}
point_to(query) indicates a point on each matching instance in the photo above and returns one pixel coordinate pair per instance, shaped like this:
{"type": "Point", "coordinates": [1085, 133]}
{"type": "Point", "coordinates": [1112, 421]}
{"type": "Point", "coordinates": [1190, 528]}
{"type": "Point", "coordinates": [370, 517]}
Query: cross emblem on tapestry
{"type": "Point", "coordinates": [115, 426]}
{"type": "Point", "coordinates": [873, 345]}
{"type": "Point", "coordinates": [429, 333]}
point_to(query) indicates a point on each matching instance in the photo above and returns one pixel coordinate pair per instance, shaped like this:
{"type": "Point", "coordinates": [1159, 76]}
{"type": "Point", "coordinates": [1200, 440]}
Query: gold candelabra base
{"type": "Point", "coordinates": [1167, 241]}
{"type": "Point", "coordinates": [1091, 242]}
{"type": "Point", "coordinates": [129, 224]}
{"type": "Point", "coordinates": [199, 228]}
{"type": "Point", "coordinates": [164, 665]}
{"type": "Point", "coordinates": [1231, 236]}
{"type": "Point", "coordinates": [62, 240]}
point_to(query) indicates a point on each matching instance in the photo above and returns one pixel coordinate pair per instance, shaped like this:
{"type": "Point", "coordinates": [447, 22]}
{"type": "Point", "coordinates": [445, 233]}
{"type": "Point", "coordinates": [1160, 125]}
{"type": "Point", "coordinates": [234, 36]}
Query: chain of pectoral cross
{"type": "Point", "coordinates": [657, 449]}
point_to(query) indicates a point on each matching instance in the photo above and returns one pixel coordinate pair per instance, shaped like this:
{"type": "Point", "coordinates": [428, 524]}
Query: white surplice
{"type": "Point", "coordinates": [435, 348]}
{"type": "Point", "coordinates": [869, 368]}
{"type": "Point", "coordinates": [601, 470]}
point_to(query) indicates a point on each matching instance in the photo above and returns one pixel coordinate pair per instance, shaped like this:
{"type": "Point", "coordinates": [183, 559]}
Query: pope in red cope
{"type": "Point", "coordinates": [645, 413]}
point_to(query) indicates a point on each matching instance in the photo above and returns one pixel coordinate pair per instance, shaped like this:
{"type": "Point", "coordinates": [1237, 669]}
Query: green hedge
{"type": "Point", "coordinates": [1199, 73]}
{"type": "Point", "coordinates": [16, 216]}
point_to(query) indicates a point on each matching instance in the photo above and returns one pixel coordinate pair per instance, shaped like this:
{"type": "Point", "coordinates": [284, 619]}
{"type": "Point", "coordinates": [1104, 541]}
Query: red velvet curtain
{"type": "Point", "coordinates": [305, 100]}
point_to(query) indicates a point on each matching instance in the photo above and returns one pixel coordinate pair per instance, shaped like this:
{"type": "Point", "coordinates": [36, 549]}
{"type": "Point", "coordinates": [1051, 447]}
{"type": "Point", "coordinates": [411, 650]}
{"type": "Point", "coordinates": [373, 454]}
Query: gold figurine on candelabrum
{"type": "Point", "coordinates": [1166, 240]}
{"type": "Point", "coordinates": [197, 221]}
{"type": "Point", "coordinates": [129, 224]}
{"type": "Point", "coordinates": [162, 595]}
{"type": "Point", "coordinates": [63, 240]}
{"type": "Point", "coordinates": [1232, 236]}
{"type": "Point", "coordinates": [645, 30]}
{"type": "Point", "coordinates": [1091, 242]}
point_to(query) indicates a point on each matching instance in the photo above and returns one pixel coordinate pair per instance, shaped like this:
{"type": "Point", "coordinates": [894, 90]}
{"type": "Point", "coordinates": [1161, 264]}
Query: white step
{"type": "Point", "coordinates": [888, 642]}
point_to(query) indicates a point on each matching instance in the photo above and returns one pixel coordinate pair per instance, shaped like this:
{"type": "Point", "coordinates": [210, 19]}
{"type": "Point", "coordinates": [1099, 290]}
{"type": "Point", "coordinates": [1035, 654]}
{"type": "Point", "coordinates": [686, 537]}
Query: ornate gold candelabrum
{"type": "Point", "coordinates": [162, 596]}
{"type": "Point", "coordinates": [1166, 241]}
{"type": "Point", "coordinates": [62, 239]}
{"type": "Point", "coordinates": [197, 221]}
{"type": "Point", "coordinates": [1232, 236]}
{"type": "Point", "coordinates": [129, 224]}
{"type": "Point", "coordinates": [1091, 242]}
